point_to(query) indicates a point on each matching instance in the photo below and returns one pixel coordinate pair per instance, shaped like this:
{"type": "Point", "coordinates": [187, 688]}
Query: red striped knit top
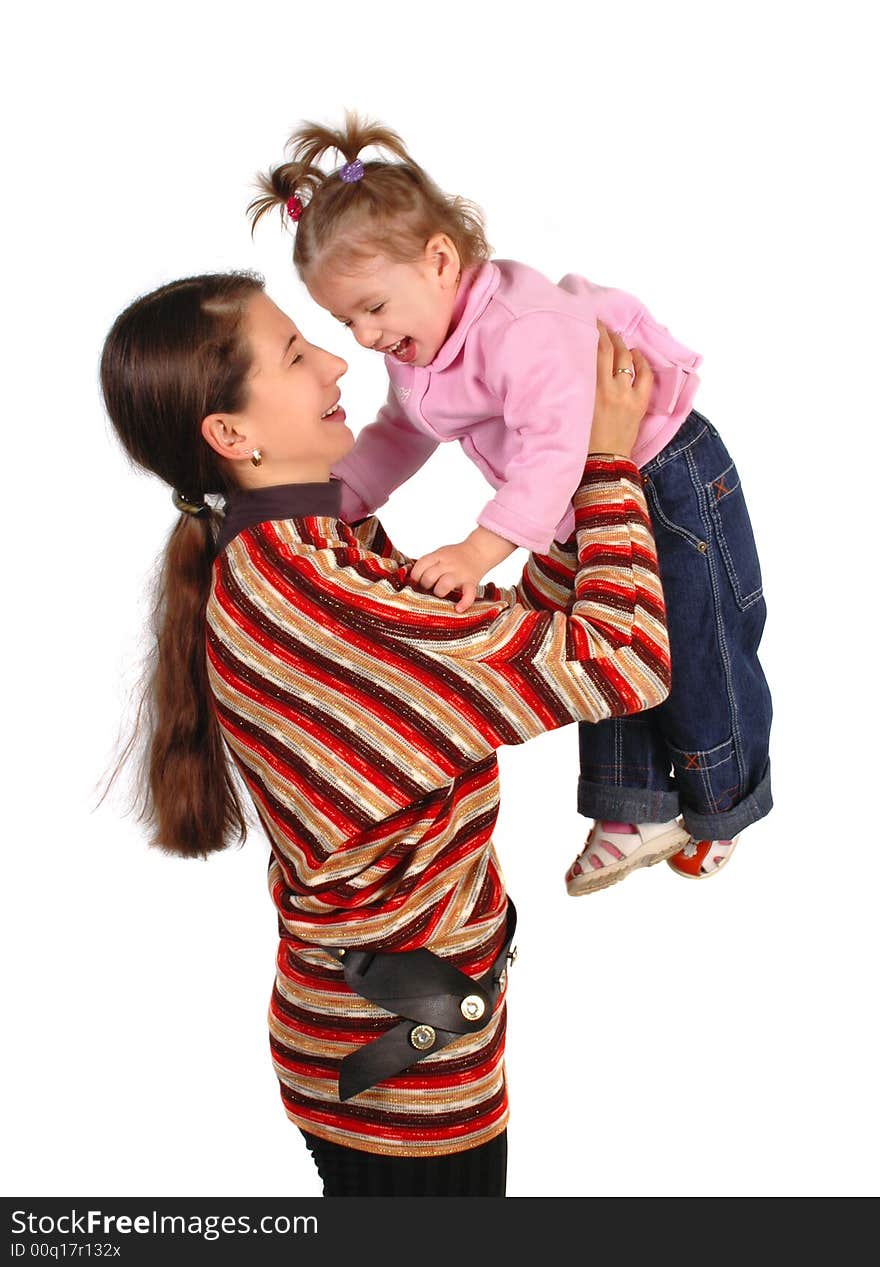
{"type": "Point", "coordinates": [364, 715]}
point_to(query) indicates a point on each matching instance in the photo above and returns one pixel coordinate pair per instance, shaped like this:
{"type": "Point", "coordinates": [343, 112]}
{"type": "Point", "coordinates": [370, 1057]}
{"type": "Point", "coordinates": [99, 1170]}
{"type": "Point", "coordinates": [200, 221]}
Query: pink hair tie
{"type": "Point", "coordinates": [294, 208]}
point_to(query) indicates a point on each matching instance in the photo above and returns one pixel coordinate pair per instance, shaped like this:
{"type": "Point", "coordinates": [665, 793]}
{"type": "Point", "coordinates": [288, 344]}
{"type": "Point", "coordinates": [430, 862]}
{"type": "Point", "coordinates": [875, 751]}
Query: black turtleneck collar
{"type": "Point", "coordinates": [246, 507]}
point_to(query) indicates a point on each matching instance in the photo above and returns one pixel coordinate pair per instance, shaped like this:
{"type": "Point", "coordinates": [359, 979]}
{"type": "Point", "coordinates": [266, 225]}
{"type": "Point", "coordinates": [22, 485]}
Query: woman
{"type": "Point", "coordinates": [363, 715]}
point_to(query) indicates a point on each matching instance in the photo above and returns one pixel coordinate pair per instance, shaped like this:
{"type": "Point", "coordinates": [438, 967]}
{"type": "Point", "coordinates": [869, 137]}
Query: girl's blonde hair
{"type": "Point", "coordinates": [393, 210]}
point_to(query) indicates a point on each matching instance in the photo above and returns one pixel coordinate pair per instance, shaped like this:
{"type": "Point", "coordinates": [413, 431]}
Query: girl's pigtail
{"type": "Point", "coordinates": [289, 187]}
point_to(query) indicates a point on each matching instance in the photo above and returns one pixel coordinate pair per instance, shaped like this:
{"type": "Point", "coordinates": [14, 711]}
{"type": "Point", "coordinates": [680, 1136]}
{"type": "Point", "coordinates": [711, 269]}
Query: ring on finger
{"type": "Point", "coordinates": [623, 370]}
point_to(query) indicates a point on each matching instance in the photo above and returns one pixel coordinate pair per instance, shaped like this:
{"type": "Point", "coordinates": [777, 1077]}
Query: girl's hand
{"type": "Point", "coordinates": [621, 399]}
{"type": "Point", "coordinates": [461, 566]}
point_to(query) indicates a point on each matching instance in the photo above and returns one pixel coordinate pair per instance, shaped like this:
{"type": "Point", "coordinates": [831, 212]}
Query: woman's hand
{"type": "Point", "coordinates": [621, 398]}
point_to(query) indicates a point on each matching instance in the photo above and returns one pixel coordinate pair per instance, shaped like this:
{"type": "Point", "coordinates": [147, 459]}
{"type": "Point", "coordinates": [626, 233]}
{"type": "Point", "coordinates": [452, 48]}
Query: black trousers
{"type": "Point", "coordinates": [350, 1172]}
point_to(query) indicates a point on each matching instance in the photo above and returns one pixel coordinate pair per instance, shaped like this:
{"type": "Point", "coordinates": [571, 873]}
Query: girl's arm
{"type": "Point", "coordinates": [386, 453]}
{"type": "Point", "coordinates": [553, 448]}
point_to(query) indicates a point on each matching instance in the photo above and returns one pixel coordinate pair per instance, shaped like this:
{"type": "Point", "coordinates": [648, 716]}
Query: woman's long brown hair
{"type": "Point", "coordinates": [171, 358]}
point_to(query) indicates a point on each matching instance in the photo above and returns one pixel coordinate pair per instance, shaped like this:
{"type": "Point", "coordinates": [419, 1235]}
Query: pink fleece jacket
{"type": "Point", "coordinates": [515, 383]}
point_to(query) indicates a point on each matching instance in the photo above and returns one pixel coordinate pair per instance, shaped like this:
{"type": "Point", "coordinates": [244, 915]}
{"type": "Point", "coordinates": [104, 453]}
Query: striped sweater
{"type": "Point", "coordinates": [364, 715]}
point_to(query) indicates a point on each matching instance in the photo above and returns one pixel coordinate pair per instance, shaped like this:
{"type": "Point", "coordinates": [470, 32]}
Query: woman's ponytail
{"type": "Point", "coordinates": [172, 358]}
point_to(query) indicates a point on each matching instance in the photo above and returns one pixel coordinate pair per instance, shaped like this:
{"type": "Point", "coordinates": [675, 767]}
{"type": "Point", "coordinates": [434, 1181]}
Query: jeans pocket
{"type": "Point", "coordinates": [660, 518]}
{"type": "Point", "coordinates": [736, 541]}
{"type": "Point", "coordinates": [707, 779]}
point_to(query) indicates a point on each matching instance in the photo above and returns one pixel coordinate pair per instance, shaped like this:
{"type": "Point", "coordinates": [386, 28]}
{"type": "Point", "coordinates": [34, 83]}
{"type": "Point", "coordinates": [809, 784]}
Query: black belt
{"type": "Point", "coordinates": [443, 1002]}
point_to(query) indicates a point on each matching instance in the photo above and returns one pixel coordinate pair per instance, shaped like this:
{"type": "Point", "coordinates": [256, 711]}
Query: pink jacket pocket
{"type": "Point", "coordinates": [670, 360]}
{"type": "Point", "coordinates": [666, 391]}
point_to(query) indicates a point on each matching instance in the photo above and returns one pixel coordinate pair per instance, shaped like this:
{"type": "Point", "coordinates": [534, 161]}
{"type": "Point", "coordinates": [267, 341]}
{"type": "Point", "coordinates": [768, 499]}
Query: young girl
{"type": "Point", "coordinates": [492, 354]}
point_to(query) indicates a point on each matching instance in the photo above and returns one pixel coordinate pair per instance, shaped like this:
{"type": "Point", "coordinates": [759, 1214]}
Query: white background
{"type": "Point", "coordinates": [666, 1038]}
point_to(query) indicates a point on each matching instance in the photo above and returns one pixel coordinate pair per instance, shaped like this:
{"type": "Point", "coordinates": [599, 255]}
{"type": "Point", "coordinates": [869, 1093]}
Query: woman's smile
{"type": "Point", "coordinates": [335, 413]}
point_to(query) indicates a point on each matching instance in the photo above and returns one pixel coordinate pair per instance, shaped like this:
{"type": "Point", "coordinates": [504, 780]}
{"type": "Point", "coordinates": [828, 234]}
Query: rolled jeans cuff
{"type": "Point", "coordinates": [626, 804]}
{"type": "Point", "coordinates": [645, 805]}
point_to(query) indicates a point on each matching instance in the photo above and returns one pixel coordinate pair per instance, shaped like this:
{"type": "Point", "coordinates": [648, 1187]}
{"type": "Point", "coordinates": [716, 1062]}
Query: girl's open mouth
{"type": "Point", "coordinates": [403, 350]}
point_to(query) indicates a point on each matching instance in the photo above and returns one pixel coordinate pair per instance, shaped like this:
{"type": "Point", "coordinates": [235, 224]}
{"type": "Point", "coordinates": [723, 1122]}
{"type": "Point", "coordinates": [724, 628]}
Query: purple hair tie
{"type": "Point", "coordinates": [352, 172]}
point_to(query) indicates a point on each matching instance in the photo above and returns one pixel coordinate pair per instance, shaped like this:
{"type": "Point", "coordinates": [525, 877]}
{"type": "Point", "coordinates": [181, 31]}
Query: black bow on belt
{"type": "Point", "coordinates": [436, 1000]}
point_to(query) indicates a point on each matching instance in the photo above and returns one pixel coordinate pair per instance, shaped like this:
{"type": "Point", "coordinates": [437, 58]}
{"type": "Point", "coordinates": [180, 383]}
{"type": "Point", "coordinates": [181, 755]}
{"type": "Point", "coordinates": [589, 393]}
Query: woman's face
{"type": "Point", "coordinates": [293, 413]}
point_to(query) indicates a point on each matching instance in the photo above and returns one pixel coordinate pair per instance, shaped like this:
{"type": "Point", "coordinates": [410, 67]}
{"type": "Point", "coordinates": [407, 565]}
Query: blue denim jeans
{"type": "Point", "coordinates": [704, 752]}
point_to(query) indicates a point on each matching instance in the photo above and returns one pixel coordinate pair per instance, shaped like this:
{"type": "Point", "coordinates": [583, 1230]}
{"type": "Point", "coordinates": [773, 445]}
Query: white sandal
{"type": "Point", "coordinates": [609, 856]}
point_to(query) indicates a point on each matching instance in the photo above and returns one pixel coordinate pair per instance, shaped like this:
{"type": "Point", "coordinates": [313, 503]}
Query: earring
{"type": "Point", "coordinates": [256, 457]}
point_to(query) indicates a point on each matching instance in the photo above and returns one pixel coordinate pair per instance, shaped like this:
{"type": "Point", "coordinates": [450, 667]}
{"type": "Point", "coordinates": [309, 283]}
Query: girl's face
{"type": "Point", "coordinates": [293, 413]}
{"type": "Point", "coordinates": [401, 310]}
